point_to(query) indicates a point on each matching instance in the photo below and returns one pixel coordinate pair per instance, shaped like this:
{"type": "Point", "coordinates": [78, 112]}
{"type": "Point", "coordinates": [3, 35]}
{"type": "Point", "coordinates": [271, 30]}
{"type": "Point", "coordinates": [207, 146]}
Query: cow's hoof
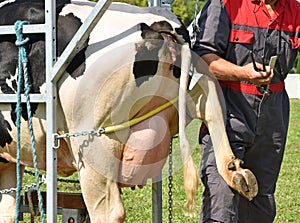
{"type": "Point", "coordinates": [244, 181]}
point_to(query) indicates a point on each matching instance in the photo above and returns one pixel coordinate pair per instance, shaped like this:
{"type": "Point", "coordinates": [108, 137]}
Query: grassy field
{"type": "Point", "coordinates": [288, 190]}
{"type": "Point", "coordinates": [138, 202]}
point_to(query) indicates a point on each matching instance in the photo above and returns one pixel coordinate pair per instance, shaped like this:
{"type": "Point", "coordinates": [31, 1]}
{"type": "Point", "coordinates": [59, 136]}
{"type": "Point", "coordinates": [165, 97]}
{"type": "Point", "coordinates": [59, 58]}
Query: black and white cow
{"type": "Point", "coordinates": [129, 66]}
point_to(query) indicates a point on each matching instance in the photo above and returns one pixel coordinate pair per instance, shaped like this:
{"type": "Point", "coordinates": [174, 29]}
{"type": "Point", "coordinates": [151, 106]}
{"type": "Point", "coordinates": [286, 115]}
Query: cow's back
{"type": "Point", "coordinates": [119, 25]}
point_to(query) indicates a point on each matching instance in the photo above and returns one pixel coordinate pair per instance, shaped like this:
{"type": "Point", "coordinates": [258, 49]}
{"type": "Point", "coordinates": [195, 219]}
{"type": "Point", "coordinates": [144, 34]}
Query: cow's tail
{"type": "Point", "coordinates": [190, 173]}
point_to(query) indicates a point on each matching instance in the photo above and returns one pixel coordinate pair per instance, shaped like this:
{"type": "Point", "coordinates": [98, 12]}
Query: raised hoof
{"type": "Point", "coordinates": [244, 181]}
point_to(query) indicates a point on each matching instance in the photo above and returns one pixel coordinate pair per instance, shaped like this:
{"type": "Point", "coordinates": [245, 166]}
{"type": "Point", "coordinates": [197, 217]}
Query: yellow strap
{"type": "Point", "coordinates": [111, 129]}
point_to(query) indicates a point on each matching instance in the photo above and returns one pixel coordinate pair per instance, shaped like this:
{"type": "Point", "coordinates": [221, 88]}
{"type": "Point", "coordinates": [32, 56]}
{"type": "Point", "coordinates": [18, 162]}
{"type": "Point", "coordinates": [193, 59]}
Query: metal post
{"type": "Point", "coordinates": [157, 200]}
{"type": "Point", "coordinates": [160, 3]}
{"type": "Point", "coordinates": [153, 3]}
{"type": "Point", "coordinates": [51, 97]}
{"type": "Point", "coordinates": [156, 182]}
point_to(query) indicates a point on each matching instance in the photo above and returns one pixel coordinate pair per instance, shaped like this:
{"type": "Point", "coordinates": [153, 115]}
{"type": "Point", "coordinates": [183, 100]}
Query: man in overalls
{"type": "Point", "coordinates": [237, 39]}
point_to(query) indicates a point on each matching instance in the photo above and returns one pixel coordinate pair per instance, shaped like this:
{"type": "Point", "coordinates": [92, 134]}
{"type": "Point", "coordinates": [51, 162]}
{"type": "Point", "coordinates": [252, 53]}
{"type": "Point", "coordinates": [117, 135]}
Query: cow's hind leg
{"type": "Point", "coordinates": [242, 180]}
{"type": "Point", "coordinates": [8, 200]}
{"type": "Point", "coordinates": [101, 196]}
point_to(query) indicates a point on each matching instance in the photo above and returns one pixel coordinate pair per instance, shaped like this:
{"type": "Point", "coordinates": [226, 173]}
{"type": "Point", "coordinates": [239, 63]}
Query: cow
{"type": "Point", "coordinates": [135, 60]}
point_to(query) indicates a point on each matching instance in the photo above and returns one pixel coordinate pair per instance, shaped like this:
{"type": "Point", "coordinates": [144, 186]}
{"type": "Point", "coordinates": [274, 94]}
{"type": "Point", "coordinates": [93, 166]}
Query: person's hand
{"type": "Point", "coordinates": [259, 77]}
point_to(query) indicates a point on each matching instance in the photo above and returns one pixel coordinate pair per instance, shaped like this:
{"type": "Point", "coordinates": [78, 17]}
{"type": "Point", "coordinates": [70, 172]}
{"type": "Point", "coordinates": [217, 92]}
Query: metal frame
{"type": "Point", "coordinates": [51, 163]}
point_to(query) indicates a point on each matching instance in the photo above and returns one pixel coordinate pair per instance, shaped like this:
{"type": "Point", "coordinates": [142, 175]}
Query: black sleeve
{"type": "Point", "coordinates": [214, 29]}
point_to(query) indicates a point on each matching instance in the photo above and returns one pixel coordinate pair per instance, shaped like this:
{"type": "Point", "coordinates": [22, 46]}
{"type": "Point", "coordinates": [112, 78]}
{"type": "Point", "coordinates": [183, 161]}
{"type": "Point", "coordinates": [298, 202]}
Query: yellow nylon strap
{"type": "Point", "coordinates": [111, 129]}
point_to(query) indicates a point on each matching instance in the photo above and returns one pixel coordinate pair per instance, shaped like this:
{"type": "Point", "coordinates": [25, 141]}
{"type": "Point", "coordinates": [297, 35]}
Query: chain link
{"type": "Point", "coordinates": [26, 188]}
{"type": "Point", "coordinates": [57, 137]}
{"type": "Point", "coordinates": [58, 179]}
{"type": "Point", "coordinates": [98, 132]}
{"type": "Point", "coordinates": [33, 185]}
{"type": "Point", "coordinates": [67, 180]}
{"type": "Point", "coordinates": [171, 180]}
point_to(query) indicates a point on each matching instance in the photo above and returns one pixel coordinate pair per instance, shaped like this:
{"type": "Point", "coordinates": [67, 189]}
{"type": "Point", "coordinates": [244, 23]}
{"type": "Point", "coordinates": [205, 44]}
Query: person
{"type": "Point", "coordinates": [237, 39]}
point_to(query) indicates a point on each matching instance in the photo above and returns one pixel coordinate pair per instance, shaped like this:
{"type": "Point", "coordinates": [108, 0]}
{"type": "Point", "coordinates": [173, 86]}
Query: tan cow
{"type": "Point", "coordinates": [129, 66]}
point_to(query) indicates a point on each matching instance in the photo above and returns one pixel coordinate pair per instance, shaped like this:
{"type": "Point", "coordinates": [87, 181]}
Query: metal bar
{"type": "Point", "coordinates": [157, 200]}
{"type": "Point", "coordinates": [79, 39]}
{"type": "Point", "coordinates": [51, 164]}
{"type": "Point", "coordinates": [34, 28]}
{"type": "Point", "coordinates": [154, 3]}
{"type": "Point", "coordinates": [11, 98]}
{"type": "Point", "coordinates": [156, 182]}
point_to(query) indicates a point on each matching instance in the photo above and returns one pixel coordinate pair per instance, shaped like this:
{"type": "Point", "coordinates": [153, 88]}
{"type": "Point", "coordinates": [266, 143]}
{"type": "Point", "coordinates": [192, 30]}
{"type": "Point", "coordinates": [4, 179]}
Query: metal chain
{"type": "Point", "coordinates": [171, 180]}
{"type": "Point", "coordinates": [58, 179]}
{"type": "Point", "coordinates": [57, 137]}
{"type": "Point", "coordinates": [26, 188]}
{"type": "Point", "coordinates": [98, 132]}
{"type": "Point", "coordinates": [67, 180]}
{"type": "Point", "coordinates": [33, 185]}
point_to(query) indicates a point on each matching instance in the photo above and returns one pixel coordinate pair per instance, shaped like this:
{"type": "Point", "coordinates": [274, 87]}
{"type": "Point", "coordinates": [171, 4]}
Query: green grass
{"type": "Point", "coordinates": [138, 202]}
{"type": "Point", "coordinates": [288, 190]}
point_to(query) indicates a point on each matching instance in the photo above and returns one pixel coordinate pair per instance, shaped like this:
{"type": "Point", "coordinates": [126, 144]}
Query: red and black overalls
{"type": "Point", "coordinates": [257, 124]}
